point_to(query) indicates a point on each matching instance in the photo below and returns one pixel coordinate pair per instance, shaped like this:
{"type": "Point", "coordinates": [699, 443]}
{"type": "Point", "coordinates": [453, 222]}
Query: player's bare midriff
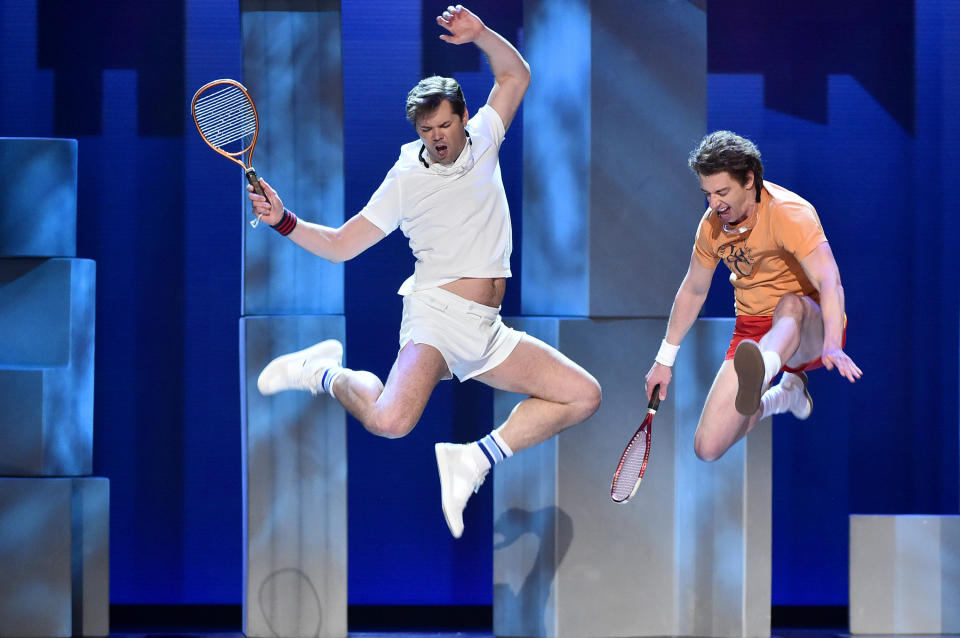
{"type": "Point", "coordinates": [487, 292]}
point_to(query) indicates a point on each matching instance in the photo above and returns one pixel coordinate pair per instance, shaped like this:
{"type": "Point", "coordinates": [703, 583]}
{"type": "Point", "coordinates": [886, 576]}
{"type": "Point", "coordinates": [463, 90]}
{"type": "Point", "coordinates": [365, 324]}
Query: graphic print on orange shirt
{"type": "Point", "coordinates": [738, 258]}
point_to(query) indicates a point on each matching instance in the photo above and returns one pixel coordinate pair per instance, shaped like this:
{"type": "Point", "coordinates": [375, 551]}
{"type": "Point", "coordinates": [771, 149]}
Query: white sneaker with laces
{"type": "Point", "coordinates": [801, 403]}
{"type": "Point", "coordinates": [301, 370]}
{"type": "Point", "coordinates": [459, 479]}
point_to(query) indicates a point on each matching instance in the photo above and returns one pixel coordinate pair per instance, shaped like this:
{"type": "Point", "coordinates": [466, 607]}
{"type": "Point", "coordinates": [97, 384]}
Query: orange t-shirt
{"type": "Point", "coordinates": [764, 261]}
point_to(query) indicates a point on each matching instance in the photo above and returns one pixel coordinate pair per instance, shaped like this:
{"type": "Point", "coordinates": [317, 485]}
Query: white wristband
{"type": "Point", "coordinates": [667, 354]}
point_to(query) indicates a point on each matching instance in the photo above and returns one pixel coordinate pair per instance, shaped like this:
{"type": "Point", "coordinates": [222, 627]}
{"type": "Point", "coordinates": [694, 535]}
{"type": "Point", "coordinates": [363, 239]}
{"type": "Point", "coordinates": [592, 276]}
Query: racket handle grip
{"type": "Point", "coordinates": [255, 182]}
{"type": "Point", "coordinates": [654, 398]}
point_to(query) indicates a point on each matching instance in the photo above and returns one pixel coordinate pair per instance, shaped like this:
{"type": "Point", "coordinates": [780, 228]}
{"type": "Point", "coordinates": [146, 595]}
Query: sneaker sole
{"type": "Point", "coordinates": [806, 393]}
{"type": "Point", "coordinates": [334, 347]}
{"type": "Point", "coordinates": [748, 363]}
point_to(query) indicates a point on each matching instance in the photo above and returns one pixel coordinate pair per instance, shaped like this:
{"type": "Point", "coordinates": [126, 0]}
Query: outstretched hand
{"type": "Point", "coordinates": [837, 358]}
{"type": "Point", "coordinates": [269, 208]}
{"type": "Point", "coordinates": [463, 25]}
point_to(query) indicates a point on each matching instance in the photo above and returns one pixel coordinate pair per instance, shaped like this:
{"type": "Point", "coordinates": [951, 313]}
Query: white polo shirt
{"type": "Point", "coordinates": [455, 216]}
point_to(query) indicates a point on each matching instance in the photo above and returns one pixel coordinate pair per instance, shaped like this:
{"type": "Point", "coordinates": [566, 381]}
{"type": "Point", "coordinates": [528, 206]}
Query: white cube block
{"type": "Point", "coordinates": [689, 555]}
{"type": "Point", "coordinates": [54, 557]}
{"type": "Point", "coordinates": [905, 574]}
{"type": "Point", "coordinates": [626, 84]}
{"type": "Point", "coordinates": [295, 491]}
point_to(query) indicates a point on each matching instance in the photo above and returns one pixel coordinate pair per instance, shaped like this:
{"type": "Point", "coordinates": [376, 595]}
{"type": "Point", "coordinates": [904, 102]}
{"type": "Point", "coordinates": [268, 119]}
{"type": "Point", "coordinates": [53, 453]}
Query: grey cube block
{"type": "Point", "coordinates": [626, 84]}
{"type": "Point", "coordinates": [295, 491]}
{"type": "Point", "coordinates": [35, 591]}
{"type": "Point", "coordinates": [47, 314]}
{"type": "Point", "coordinates": [905, 574]}
{"type": "Point", "coordinates": [689, 555]}
{"type": "Point", "coordinates": [54, 549]}
{"type": "Point", "coordinates": [292, 67]}
{"type": "Point", "coordinates": [90, 556]}
{"type": "Point", "coordinates": [38, 203]}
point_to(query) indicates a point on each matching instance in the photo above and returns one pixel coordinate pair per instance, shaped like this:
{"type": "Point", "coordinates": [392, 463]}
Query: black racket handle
{"type": "Point", "coordinates": [654, 398]}
{"type": "Point", "coordinates": [255, 182]}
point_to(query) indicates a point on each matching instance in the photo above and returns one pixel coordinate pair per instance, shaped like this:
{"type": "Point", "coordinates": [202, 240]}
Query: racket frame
{"type": "Point", "coordinates": [252, 178]}
{"type": "Point", "coordinates": [645, 431]}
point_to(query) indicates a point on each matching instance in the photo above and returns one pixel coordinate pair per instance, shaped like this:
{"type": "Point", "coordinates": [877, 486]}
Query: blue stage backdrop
{"type": "Point", "coordinates": [853, 107]}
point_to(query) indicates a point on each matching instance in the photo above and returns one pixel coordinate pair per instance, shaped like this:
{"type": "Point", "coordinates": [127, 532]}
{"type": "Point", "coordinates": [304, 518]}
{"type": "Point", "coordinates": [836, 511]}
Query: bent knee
{"type": "Point", "coordinates": [589, 398]}
{"type": "Point", "coordinates": [391, 426]}
{"type": "Point", "coordinates": [707, 450]}
{"type": "Point", "coordinates": [790, 305]}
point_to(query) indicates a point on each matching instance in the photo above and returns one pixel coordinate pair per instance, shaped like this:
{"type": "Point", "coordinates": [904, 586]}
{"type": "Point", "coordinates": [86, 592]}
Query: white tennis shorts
{"type": "Point", "coordinates": [470, 336]}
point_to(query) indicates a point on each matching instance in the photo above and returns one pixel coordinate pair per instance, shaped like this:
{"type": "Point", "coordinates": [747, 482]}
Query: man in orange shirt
{"type": "Point", "coordinates": [789, 301]}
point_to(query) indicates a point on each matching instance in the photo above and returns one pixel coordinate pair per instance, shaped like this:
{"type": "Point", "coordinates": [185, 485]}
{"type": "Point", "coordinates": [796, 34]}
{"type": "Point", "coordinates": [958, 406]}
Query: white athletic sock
{"type": "Point", "coordinates": [328, 377]}
{"type": "Point", "coordinates": [492, 449]}
{"type": "Point", "coordinates": [507, 452]}
{"type": "Point", "coordinates": [786, 396]}
{"type": "Point", "coordinates": [771, 366]}
{"type": "Point", "coordinates": [773, 401]}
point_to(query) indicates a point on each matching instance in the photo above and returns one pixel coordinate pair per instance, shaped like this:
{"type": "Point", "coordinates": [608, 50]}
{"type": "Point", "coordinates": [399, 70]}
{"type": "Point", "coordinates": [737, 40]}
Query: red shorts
{"type": "Point", "coordinates": [747, 327]}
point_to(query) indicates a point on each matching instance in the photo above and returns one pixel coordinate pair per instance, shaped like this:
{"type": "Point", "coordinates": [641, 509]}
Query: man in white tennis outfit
{"type": "Point", "coordinates": [446, 195]}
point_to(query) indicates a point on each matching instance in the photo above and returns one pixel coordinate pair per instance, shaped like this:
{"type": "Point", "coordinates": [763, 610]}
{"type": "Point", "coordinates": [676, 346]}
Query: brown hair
{"type": "Point", "coordinates": [429, 92]}
{"type": "Point", "coordinates": [726, 151]}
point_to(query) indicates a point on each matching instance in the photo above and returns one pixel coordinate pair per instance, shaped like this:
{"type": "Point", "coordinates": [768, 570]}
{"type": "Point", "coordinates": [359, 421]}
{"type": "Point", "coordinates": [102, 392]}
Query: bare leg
{"type": "Point", "coordinates": [720, 424]}
{"type": "Point", "coordinates": [797, 330]}
{"type": "Point", "coordinates": [797, 336]}
{"type": "Point", "coordinates": [392, 410]}
{"type": "Point", "coordinates": [561, 393]}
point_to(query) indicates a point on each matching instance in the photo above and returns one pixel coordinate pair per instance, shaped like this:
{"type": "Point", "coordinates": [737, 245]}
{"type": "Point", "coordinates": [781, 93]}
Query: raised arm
{"type": "Point", "coordinates": [511, 72]}
{"type": "Point", "coordinates": [686, 307]}
{"type": "Point", "coordinates": [821, 268]}
{"type": "Point", "coordinates": [333, 244]}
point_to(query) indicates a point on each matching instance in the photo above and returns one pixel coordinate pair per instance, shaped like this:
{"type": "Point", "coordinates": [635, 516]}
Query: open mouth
{"type": "Point", "coordinates": [732, 224]}
{"type": "Point", "coordinates": [440, 150]}
{"type": "Point", "coordinates": [728, 215]}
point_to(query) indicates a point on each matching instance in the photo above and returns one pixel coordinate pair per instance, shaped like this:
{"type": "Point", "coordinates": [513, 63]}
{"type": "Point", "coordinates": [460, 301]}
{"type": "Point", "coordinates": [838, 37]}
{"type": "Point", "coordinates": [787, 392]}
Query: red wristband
{"type": "Point", "coordinates": [286, 224]}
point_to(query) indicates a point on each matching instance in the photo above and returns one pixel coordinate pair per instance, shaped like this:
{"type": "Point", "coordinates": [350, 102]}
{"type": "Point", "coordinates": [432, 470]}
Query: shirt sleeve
{"type": "Point", "coordinates": [487, 122]}
{"type": "Point", "coordinates": [798, 229]}
{"type": "Point", "coordinates": [703, 250]}
{"type": "Point", "coordinates": [384, 209]}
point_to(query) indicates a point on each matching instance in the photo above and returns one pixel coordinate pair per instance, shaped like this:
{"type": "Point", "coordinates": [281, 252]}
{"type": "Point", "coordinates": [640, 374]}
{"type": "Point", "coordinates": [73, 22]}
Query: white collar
{"type": "Point", "coordinates": [463, 163]}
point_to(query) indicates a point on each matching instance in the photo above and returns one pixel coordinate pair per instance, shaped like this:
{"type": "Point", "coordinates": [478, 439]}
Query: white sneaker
{"type": "Point", "coordinates": [459, 479]}
{"type": "Point", "coordinates": [301, 370]}
{"type": "Point", "coordinates": [801, 403]}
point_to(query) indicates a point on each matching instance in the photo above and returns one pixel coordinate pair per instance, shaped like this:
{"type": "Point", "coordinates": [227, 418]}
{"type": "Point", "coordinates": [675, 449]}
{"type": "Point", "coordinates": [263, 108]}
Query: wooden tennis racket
{"type": "Point", "coordinates": [227, 120]}
{"type": "Point", "coordinates": [633, 462]}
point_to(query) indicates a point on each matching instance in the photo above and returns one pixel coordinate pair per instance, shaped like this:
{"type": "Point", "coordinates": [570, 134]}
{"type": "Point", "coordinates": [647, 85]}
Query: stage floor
{"type": "Point", "coordinates": [404, 633]}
